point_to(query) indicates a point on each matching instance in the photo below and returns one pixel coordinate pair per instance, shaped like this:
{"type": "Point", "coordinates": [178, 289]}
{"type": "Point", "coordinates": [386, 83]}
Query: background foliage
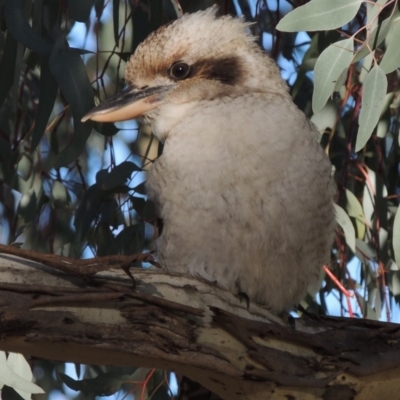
{"type": "Point", "coordinates": [77, 189]}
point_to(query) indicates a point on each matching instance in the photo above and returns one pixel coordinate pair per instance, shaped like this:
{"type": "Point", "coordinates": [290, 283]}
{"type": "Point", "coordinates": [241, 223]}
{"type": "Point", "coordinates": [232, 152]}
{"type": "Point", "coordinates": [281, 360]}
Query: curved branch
{"type": "Point", "coordinates": [192, 327]}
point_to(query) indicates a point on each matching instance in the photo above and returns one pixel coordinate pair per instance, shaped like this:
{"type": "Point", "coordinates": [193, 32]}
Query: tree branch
{"type": "Point", "coordinates": [192, 327]}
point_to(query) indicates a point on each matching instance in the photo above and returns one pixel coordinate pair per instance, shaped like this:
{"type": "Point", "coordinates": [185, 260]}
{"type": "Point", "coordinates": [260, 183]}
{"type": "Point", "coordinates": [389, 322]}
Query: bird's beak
{"type": "Point", "coordinates": [130, 103]}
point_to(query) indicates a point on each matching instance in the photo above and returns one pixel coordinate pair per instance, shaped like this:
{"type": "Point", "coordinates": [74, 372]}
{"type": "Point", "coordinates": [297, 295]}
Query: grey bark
{"type": "Point", "coordinates": [93, 314]}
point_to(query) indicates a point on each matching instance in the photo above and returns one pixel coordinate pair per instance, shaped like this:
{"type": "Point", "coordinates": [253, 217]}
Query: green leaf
{"type": "Point", "coordinates": [320, 15]}
{"type": "Point", "coordinates": [103, 385]}
{"type": "Point", "coordinates": [364, 250]}
{"type": "Point", "coordinates": [373, 100]}
{"type": "Point", "coordinates": [391, 59]}
{"type": "Point", "coordinates": [116, 21]}
{"type": "Point", "coordinates": [355, 210]}
{"type": "Point", "coordinates": [140, 18]}
{"type": "Point", "coordinates": [373, 9]}
{"type": "Point", "coordinates": [394, 282]}
{"type": "Point", "coordinates": [79, 10]}
{"type": "Point", "coordinates": [325, 118]}
{"type": "Point", "coordinates": [138, 204]}
{"type": "Point", "coordinates": [10, 378]}
{"type": "Point", "coordinates": [27, 207]}
{"type": "Point", "coordinates": [341, 80]}
{"type": "Point", "coordinates": [366, 67]}
{"type": "Point", "coordinates": [106, 128]}
{"type": "Point", "coordinates": [18, 364]}
{"type": "Point", "coordinates": [118, 176]}
{"type": "Point", "coordinates": [381, 30]}
{"type": "Point", "coordinates": [47, 97]}
{"type": "Point", "coordinates": [344, 221]}
{"type": "Point", "coordinates": [141, 188]}
{"type": "Point", "coordinates": [70, 73]}
{"type": "Point", "coordinates": [87, 211]}
{"type": "Point", "coordinates": [18, 26]}
{"type": "Point", "coordinates": [59, 193]}
{"type": "Point", "coordinates": [7, 67]}
{"type": "Point", "coordinates": [396, 236]}
{"type": "Point", "coordinates": [130, 240]}
{"type": "Point", "coordinates": [7, 160]}
{"type": "Point", "coordinates": [328, 69]}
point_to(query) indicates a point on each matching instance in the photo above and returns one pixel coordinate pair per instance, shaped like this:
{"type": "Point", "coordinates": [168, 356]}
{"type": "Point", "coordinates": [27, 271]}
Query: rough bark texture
{"type": "Point", "coordinates": [90, 312]}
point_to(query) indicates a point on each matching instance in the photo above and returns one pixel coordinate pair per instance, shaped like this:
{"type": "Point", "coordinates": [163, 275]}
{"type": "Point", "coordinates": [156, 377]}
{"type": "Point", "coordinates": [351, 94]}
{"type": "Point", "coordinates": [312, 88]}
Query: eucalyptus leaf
{"type": "Point", "coordinates": [344, 221]}
{"type": "Point", "coordinates": [366, 67]}
{"type": "Point", "coordinates": [17, 363]}
{"type": "Point", "coordinates": [364, 250]}
{"type": "Point", "coordinates": [87, 211]}
{"type": "Point", "coordinates": [341, 80]}
{"type": "Point", "coordinates": [69, 71]}
{"type": "Point", "coordinates": [10, 378]}
{"type": "Point", "coordinates": [374, 41]}
{"type": "Point", "coordinates": [394, 282]}
{"type": "Point", "coordinates": [116, 21]}
{"type": "Point", "coordinates": [373, 100]}
{"type": "Point", "coordinates": [104, 384]}
{"type": "Point", "coordinates": [391, 59]}
{"type": "Point", "coordinates": [355, 210]}
{"type": "Point", "coordinates": [326, 117]}
{"type": "Point", "coordinates": [320, 15]}
{"type": "Point", "coordinates": [7, 67]}
{"type": "Point", "coordinates": [396, 236]}
{"type": "Point", "coordinates": [18, 26]}
{"type": "Point", "coordinates": [47, 98]}
{"type": "Point", "coordinates": [118, 176]}
{"type": "Point", "coordinates": [79, 10]}
{"type": "Point", "coordinates": [329, 69]}
{"type": "Point", "coordinates": [373, 9]}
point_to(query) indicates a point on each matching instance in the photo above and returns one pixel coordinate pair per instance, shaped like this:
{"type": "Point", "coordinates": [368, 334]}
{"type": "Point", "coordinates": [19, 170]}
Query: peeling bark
{"type": "Point", "coordinates": [92, 312]}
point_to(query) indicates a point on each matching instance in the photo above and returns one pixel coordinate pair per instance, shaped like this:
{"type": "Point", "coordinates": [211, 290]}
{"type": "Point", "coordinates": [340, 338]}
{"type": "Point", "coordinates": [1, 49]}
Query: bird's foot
{"type": "Point", "coordinates": [126, 269]}
{"type": "Point", "coordinates": [244, 297]}
{"type": "Point", "coordinates": [310, 315]}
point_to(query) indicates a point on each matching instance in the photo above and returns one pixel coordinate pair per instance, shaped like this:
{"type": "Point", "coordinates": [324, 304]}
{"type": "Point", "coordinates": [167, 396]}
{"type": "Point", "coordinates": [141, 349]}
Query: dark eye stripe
{"type": "Point", "coordinates": [226, 70]}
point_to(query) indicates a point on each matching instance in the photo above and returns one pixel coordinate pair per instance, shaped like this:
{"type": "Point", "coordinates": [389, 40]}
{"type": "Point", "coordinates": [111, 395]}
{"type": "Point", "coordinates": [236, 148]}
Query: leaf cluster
{"type": "Point", "coordinates": [355, 106]}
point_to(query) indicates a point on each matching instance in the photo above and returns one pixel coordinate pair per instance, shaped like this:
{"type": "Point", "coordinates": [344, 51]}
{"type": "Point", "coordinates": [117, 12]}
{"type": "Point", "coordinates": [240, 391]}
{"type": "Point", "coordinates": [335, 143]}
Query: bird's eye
{"type": "Point", "coordinates": [179, 70]}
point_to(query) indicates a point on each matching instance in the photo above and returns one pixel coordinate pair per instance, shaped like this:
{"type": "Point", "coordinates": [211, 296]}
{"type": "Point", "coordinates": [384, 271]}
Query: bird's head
{"type": "Point", "coordinates": [196, 58]}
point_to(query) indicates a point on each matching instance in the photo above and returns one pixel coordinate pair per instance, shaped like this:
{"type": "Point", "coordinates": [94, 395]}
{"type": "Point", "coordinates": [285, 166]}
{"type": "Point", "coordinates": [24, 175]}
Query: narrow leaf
{"type": "Point", "coordinates": [87, 211]}
{"type": "Point", "coordinates": [320, 15]}
{"type": "Point", "coordinates": [70, 73]}
{"type": "Point", "coordinates": [381, 30]}
{"type": "Point", "coordinates": [79, 10]}
{"type": "Point", "coordinates": [366, 66]}
{"type": "Point", "coordinates": [355, 210]}
{"type": "Point", "coordinates": [17, 363]}
{"type": "Point", "coordinates": [116, 21]}
{"type": "Point", "coordinates": [391, 59]}
{"type": "Point", "coordinates": [18, 26]}
{"type": "Point", "coordinates": [10, 378]}
{"type": "Point", "coordinates": [344, 221]}
{"type": "Point", "coordinates": [7, 67]}
{"type": "Point", "coordinates": [47, 97]}
{"type": "Point", "coordinates": [373, 9]}
{"type": "Point", "coordinates": [394, 282]}
{"type": "Point", "coordinates": [341, 80]}
{"type": "Point", "coordinates": [373, 100]}
{"type": "Point", "coordinates": [117, 176]}
{"type": "Point", "coordinates": [328, 69]}
{"type": "Point", "coordinates": [364, 251]}
{"type": "Point", "coordinates": [396, 236]}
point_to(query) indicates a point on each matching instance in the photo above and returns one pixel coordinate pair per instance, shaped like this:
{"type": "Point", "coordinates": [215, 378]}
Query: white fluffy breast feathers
{"type": "Point", "coordinates": [242, 186]}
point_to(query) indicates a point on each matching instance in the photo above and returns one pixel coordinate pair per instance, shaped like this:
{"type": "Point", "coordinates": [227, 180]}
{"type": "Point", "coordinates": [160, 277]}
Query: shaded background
{"type": "Point", "coordinates": [78, 189]}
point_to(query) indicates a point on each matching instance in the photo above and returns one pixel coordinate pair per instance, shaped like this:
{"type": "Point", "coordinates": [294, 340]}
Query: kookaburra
{"type": "Point", "coordinates": [243, 187]}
